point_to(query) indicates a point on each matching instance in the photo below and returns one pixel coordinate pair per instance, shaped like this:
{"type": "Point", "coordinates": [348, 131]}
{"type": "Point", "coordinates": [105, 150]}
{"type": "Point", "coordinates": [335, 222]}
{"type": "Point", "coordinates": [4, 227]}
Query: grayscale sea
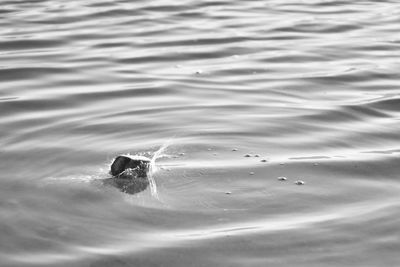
{"type": "Point", "coordinates": [225, 97]}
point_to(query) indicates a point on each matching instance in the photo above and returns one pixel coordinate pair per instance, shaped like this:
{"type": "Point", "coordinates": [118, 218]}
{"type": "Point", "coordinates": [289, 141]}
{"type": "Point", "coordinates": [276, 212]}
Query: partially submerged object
{"type": "Point", "coordinates": [130, 173]}
{"type": "Point", "coordinates": [130, 167]}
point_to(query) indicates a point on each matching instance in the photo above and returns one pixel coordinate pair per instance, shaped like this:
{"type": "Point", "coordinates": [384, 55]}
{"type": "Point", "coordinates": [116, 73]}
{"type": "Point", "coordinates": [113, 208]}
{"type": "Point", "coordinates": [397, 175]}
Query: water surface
{"type": "Point", "coordinates": [311, 87]}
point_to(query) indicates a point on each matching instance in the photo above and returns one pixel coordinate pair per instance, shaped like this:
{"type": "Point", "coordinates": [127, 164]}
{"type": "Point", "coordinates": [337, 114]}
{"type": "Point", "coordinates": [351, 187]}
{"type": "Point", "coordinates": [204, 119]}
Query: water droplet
{"type": "Point", "coordinates": [251, 173]}
{"type": "Point", "coordinates": [299, 182]}
{"type": "Point", "coordinates": [263, 160]}
{"type": "Point", "coordinates": [234, 149]}
{"type": "Point", "coordinates": [247, 155]}
{"type": "Point", "coordinates": [228, 192]}
{"type": "Point", "coordinates": [198, 72]}
{"type": "Point", "coordinates": [282, 178]}
{"type": "Point", "coordinates": [181, 154]}
{"type": "Point", "coordinates": [256, 155]}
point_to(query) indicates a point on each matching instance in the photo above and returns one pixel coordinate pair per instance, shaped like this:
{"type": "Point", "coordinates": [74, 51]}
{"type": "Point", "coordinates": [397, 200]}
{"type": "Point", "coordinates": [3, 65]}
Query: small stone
{"type": "Point", "coordinates": [209, 149]}
{"type": "Point", "coordinates": [181, 154]}
{"type": "Point", "coordinates": [247, 155]}
{"type": "Point", "coordinates": [282, 178]}
{"type": "Point", "coordinates": [126, 166]}
{"type": "Point", "coordinates": [251, 173]}
{"type": "Point", "coordinates": [234, 149]}
{"type": "Point", "coordinates": [299, 182]}
{"type": "Point", "coordinates": [263, 160]}
{"type": "Point", "coordinates": [198, 72]}
{"type": "Point", "coordinates": [215, 154]}
{"type": "Point", "coordinates": [315, 164]}
{"type": "Point", "coordinates": [256, 155]}
{"type": "Point", "coordinates": [228, 192]}
{"type": "Point", "coordinates": [282, 163]}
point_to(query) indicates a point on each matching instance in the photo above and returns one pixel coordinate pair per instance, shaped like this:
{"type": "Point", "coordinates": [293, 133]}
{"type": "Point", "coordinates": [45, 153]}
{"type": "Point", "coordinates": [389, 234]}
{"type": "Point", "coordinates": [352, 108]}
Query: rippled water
{"type": "Point", "coordinates": [312, 87]}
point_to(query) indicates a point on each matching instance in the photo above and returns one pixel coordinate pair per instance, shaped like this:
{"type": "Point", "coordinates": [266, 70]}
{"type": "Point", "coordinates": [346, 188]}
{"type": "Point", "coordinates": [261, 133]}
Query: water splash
{"type": "Point", "coordinates": [153, 168]}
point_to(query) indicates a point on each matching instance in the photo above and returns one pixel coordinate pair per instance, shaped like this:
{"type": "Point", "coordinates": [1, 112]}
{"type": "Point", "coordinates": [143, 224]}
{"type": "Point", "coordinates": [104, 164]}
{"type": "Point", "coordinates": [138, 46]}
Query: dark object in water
{"type": "Point", "coordinates": [130, 167]}
{"type": "Point", "coordinates": [129, 173]}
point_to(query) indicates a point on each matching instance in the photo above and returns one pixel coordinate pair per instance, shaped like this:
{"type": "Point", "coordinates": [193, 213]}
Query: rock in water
{"type": "Point", "coordinates": [129, 167]}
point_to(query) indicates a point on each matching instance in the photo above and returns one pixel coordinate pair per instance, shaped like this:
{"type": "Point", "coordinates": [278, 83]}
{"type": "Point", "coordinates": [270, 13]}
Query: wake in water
{"type": "Point", "coordinates": [127, 185]}
{"type": "Point", "coordinates": [134, 173]}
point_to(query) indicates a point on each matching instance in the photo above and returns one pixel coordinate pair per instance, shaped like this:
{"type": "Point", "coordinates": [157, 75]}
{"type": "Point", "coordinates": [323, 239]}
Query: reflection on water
{"type": "Point", "coordinates": [129, 186]}
{"type": "Point", "coordinates": [310, 87]}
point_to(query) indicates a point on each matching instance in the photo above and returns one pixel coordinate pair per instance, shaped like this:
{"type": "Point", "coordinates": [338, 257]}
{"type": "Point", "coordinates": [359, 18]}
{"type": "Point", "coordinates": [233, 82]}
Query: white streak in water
{"type": "Point", "coordinates": [153, 167]}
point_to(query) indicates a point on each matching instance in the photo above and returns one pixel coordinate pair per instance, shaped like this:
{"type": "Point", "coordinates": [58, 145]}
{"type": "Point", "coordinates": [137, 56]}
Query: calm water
{"type": "Point", "coordinates": [312, 87]}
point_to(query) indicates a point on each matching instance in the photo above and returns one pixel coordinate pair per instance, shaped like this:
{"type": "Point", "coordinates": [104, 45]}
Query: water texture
{"type": "Point", "coordinates": [309, 90]}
